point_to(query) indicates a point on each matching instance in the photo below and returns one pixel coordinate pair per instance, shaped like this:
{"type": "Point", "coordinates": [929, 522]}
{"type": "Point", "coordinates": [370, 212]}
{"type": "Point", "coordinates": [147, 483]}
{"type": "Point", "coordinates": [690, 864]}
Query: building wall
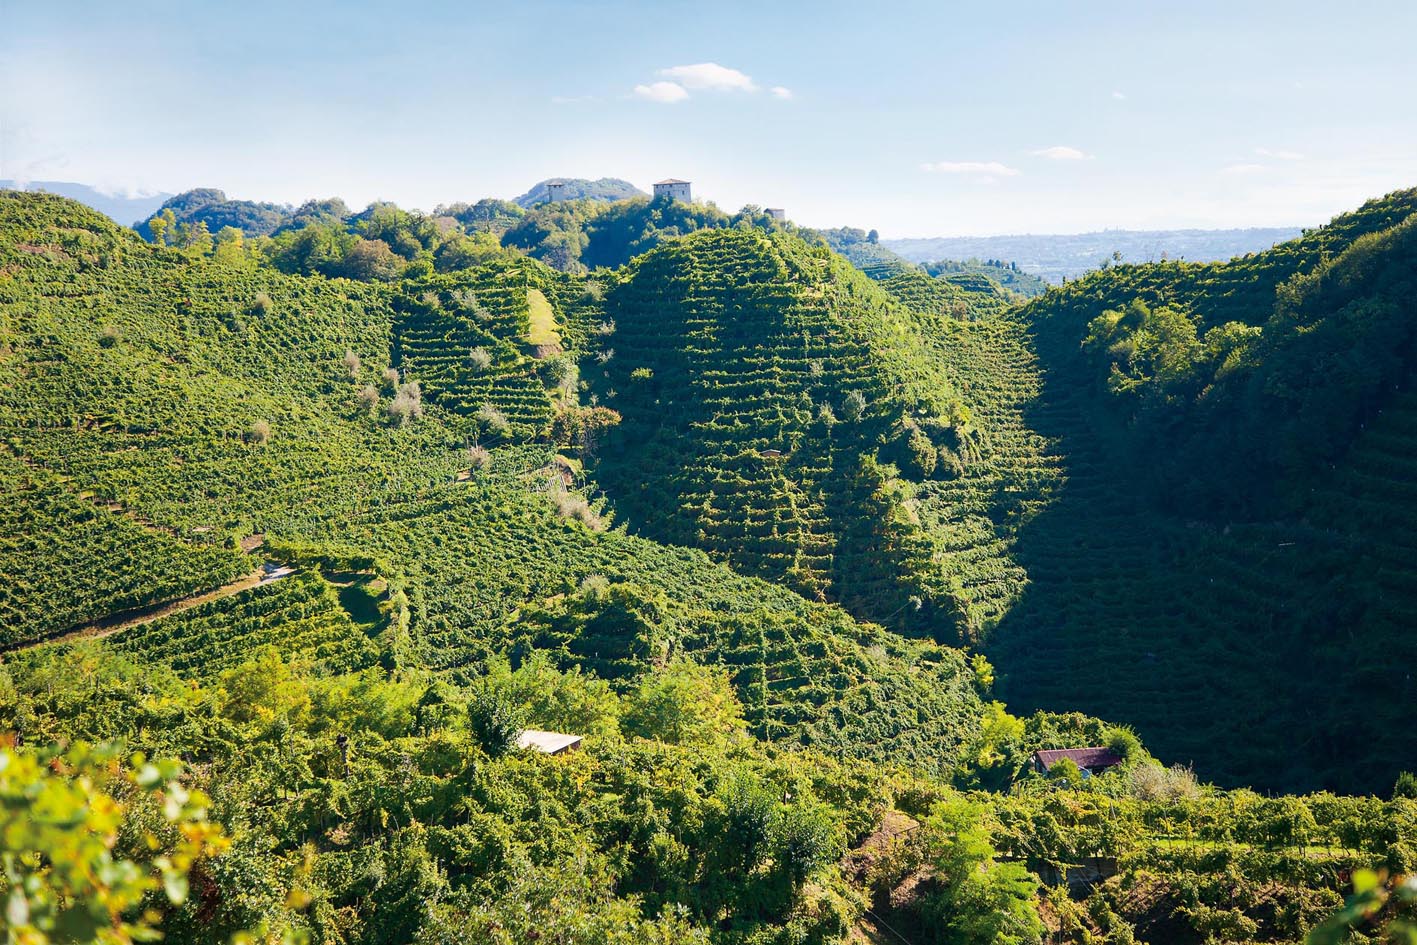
{"type": "Point", "coordinates": [674, 191]}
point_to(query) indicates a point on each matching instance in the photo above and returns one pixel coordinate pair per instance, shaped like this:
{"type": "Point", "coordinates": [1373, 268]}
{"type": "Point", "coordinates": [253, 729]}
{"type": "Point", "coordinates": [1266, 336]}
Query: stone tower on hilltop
{"type": "Point", "coordinates": [674, 189]}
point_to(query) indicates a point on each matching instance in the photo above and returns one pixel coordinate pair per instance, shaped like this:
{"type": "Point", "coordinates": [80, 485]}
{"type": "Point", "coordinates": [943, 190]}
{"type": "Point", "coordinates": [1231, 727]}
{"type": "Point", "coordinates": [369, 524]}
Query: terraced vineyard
{"type": "Point", "coordinates": [300, 616]}
{"type": "Point", "coordinates": [758, 379]}
{"type": "Point", "coordinates": [70, 559]}
{"type": "Point", "coordinates": [806, 673]}
{"type": "Point", "coordinates": [1009, 476]}
{"type": "Point", "coordinates": [159, 415]}
{"type": "Point", "coordinates": [469, 341]}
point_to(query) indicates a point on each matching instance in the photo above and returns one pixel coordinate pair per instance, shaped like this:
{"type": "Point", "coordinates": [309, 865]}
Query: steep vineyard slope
{"type": "Point", "coordinates": [780, 412]}
{"type": "Point", "coordinates": [1225, 531]}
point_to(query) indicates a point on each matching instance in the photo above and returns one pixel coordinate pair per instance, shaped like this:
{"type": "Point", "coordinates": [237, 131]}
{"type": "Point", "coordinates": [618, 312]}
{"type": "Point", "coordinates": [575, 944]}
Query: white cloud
{"type": "Point", "coordinates": [781, 91]}
{"type": "Point", "coordinates": [709, 76]}
{"type": "Point", "coordinates": [1279, 155]}
{"type": "Point", "coordinates": [1118, 96]}
{"type": "Point", "coordinates": [666, 93]}
{"type": "Point", "coordinates": [975, 168]}
{"type": "Point", "coordinates": [1061, 152]}
{"type": "Point", "coordinates": [1241, 169]}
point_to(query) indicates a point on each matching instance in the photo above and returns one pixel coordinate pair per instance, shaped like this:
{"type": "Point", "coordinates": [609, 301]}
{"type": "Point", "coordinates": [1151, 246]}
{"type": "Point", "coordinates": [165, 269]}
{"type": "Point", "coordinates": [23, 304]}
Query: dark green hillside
{"type": "Point", "coordinates": [210, 207]}
{"type": "Point", "coordinates": [778, 411]}
{"type": "Point", "coordinates": [1232, 469]}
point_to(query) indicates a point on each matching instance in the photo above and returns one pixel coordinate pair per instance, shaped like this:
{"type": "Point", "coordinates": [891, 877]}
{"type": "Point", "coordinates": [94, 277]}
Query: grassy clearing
{"type": "Point", "coordinates": [543, 320]}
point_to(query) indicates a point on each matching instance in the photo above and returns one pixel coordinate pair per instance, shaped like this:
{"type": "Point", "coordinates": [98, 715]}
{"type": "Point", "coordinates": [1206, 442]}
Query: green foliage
{"type": "Point", "coordinates": [90, 843]}
{"type": "Point", "coordinates": [982, 901]}
{"type": "Point", "coordinates": [494, 720]}
{"type": "Point", "coordinates": [684, 703]}
{"type": "Point", "coordinates": [351, 720]}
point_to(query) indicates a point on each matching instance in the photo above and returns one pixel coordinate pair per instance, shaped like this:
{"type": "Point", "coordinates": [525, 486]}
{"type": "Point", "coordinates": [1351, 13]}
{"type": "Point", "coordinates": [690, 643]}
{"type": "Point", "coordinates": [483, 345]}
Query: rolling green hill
{"type": "Point", "coordinates": [778, 412]}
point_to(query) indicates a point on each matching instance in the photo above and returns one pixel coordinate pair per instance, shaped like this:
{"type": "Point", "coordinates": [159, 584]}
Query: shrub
{"type": "Point", "coordinates": [109, 337]}
{"type": "Point", "coordinates": [1152, 782]}
{"type": "Point", "coordinates": [493, 420]}
{"type": "Point", "coordinates": [479, 359]}
{"type": "Point", "coordinates": [259, 432]}
{"type": "Point", "coordinates": [407, 404]}
{"type": "Point", "coordinates": [561, 372]}
{"type": "Point", "coordinates": [351, 363]}
{"type": "Point", "coordinates": [478, 456]}
{"type": "Point", "coordinates": [854, 406]}
{"type": "Point", "coordinates": [262, 305]}
{"type": "Point", "coordinates": [1406, 785]}
{"type": "Point", "coordinates": [368, 397]}
{"type": "Point", "coordinates": [685, 703]}
{"type": "Point", "coordinates": [573, 505]}
{"type": "Point", "coordinates": [391, 377]}
{"type": "Point", "coordinates": [494, 721]}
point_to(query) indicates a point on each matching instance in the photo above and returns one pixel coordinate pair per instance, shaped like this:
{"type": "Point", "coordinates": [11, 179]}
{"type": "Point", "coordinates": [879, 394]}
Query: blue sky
{"type": "Point", "coordinates": [918, 119]}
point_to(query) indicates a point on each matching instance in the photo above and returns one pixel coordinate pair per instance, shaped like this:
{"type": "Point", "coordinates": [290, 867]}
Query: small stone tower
{"type": "Point", "coordinates": [673, 189]}
{"type": "Point", "coordinates": [777, 213]}
{"type": "Point", "coordinates": [555, 191]}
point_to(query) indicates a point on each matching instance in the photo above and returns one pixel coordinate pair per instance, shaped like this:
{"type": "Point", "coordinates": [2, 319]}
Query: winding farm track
{"type": "Point", "coordinates": [136, 617]}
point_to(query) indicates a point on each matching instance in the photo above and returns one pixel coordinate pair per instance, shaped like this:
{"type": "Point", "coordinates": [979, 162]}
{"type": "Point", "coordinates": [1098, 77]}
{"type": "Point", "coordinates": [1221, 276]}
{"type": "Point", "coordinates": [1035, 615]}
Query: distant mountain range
{"type": "Point", "coordinates": [1054, 258]}
{"type": "Point", "coordinates": [120, 208]}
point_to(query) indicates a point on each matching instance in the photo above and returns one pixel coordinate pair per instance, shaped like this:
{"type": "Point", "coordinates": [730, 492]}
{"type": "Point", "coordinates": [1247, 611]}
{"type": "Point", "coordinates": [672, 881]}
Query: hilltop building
{"type": "Point", "coordinates": [673, 189]}
{"type": "Point", "coordinates": [555, 191]}
{"type": "Point", "coordinates": [777, 213]}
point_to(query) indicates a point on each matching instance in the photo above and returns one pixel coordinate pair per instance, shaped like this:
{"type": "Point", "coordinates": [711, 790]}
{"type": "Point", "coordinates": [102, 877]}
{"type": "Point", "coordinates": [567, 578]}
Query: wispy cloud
{"type": "Point", "coordinates": [678, 83]}
{"type": "Point", "coordinates": [1239, 170]}
{"type": "Point", "coordinates": [710, 76]}
{"type": "Point", "coordinates": [666, 93]}
{"type": "Point", "coordinates": [1061, 152]}
{"type": "Point", "coordinates": [989, 169]}
{"type": "Point", "coordinates": [1279, 155]}
{"type": "Point", "coordinates": [1119, 96]}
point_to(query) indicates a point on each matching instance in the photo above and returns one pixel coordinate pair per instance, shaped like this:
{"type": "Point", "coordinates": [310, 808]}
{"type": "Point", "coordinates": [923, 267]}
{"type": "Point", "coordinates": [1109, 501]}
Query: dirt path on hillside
{"type": "Point", "coordinates": [127, 619]}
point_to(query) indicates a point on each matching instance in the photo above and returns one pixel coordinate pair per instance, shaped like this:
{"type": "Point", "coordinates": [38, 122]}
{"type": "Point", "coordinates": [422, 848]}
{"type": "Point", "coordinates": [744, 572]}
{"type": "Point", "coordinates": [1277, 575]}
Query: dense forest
{"type": "Point", "coordinates": [316, 519]}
